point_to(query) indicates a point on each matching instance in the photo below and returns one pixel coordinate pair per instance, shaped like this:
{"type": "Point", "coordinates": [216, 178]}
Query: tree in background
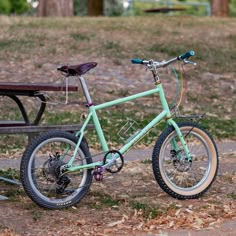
{"type": "Point", "coordinates": [95, 7]}
{"type": "Point", "coordinates": [56, 8]}
{"type": "Point", "coordinates": [220, 8]}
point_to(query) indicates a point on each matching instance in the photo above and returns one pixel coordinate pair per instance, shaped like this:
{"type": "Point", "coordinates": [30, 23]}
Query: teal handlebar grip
{"type": "Point", "coordinates": [187, 55]}
{"type": "Point", "coordinates": [136, 61]}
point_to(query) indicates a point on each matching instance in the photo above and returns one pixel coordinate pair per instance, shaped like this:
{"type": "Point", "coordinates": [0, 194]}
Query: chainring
{"type": "Point", "coordinates": [118, 163]}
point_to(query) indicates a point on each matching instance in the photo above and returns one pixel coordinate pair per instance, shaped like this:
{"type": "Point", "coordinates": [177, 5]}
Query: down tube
{"type": "Point", "coordinates": [150, 125]}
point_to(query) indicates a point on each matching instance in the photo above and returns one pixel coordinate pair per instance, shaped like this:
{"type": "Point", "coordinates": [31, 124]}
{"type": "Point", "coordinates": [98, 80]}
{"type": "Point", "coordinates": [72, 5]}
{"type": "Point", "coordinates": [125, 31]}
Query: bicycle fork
{"type": "Point", "coordinates": [182, 140]}
{"type": "Point", "coordinates": [170, 121]}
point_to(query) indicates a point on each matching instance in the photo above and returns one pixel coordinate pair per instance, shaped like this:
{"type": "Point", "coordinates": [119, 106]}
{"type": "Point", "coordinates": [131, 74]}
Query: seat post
{"type": "Point", "coordinates": [85, 90]}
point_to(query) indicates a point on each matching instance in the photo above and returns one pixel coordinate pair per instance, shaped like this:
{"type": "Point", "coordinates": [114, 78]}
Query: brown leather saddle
{"type": "Point", "coordinates": [76, 70]}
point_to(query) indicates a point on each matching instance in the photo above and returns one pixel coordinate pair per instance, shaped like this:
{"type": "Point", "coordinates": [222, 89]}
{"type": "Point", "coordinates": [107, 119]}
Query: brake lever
{"type": "Point", "coordinates": [189, 62]}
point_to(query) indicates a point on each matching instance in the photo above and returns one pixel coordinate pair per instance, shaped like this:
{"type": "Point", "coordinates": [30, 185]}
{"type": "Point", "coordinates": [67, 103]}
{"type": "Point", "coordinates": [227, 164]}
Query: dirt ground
{"type": "Point", "coordinates": [128, 203]}
{"type": "Point", "coordinates": [131, 202]}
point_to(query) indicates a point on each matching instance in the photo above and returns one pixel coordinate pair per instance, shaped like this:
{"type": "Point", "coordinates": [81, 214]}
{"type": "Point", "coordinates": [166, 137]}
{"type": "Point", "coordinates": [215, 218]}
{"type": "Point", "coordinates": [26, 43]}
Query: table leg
{"type": "Point", "coordinates": [21, 107]}
{"type": "Point", "coordinates": [41, 109]}
{"type": "Point", "coordinates": [27, 122]}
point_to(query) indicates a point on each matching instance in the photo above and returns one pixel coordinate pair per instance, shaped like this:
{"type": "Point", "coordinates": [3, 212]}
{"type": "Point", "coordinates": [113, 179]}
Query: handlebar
{"type": "Point", "coordinates": [137, 61]}
{"type": "Point", "coordinates": [186, 55]}
{"type": "Point", "coordinates": [157, 64]}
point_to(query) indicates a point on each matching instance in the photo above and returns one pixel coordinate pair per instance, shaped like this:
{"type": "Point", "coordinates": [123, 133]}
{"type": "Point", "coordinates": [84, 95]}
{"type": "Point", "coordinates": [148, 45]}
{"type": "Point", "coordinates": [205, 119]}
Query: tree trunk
{"type": "Point", "coordinates": [95, 7]}
{"type": "Point", "coordinates": [220, 8]}
{"type": "Point", "coordinates": [56, 8]}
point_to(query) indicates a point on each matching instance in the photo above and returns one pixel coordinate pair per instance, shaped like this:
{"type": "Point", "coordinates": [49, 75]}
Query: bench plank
{"type": "Point", "coordinates": [38, 129]}
{"type": "Point", "coordinates": [36, 87]}
{"type": "Point", "coordinates": [12, 123]}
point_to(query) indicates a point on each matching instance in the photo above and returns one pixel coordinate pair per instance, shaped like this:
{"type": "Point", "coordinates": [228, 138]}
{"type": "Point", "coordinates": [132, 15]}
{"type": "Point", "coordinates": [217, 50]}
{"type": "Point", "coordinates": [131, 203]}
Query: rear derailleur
{"type": "Point", "coordinates": [52, 172]}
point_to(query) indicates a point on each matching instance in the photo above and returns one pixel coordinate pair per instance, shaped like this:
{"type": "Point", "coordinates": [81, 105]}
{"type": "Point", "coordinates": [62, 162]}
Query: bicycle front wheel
{"type": "Point", "coordinates": [176, 175]}
{"type": "Point", "coordinates": [40, 170]}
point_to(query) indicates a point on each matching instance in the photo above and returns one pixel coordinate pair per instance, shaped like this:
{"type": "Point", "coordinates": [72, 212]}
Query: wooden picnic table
{"type": "Point", "coordinates": [16, 91]}
{"type": "Point", "coordinates": [164, 9]}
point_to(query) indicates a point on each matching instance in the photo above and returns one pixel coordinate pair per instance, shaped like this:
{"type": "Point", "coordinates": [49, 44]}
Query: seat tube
{"type": "Point", "coordinates": [99, 129]}
{"type": "Point", "coordinates": [85, 90]}
{"type": "Point", "coordinates": [94, 115]}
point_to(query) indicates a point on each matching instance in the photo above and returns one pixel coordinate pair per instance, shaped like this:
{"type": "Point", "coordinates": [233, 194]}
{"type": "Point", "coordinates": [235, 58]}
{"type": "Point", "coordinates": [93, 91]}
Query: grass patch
{"type": "Point", "coordinates": [9, 190]}
{"type": "Point", "coordinates": [20, 45]}
{"type": "Point", "coordinates": [170, 50]}
{"type": "Point", "coordinates": [232, 195]}
{"type": "Point", "coordinates": [14, 194]}
{"type": "Point", "coordinates": [100, 200]}
{"type": "Point", "coordinates": [80, 37]}
{"type": "Point", "coordinates": [114, 48]}
{"type": "Point", "coordinates": [219, 128]}
{"type": "Point", "coordinates": [36, 214]}
{"type": "Point", "coordinates": [147, 211]}
{"type": "Point", "coordinates": [111, 45]}
{"type": "Point", "coordinates": [146, 162]}
{"type": "Point", "coordinates": [10, 174]}
{"type": "Point", "coordinates": [13, 144]}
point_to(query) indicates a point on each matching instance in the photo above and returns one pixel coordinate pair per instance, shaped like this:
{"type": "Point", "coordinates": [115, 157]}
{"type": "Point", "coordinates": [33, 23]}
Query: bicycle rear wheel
{"type": "Point", "coordinates": [40, 170]}
{"type": "Point", "coordinates": [176, 175]}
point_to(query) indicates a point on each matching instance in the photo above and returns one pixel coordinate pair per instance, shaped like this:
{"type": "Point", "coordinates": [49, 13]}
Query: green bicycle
{"type": "Point", "coordinates": [57, 168]}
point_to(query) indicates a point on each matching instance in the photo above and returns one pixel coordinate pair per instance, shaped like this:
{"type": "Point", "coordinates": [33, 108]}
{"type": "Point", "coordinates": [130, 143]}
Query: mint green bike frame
{"type": "Point", "coordinates": [165, 114]}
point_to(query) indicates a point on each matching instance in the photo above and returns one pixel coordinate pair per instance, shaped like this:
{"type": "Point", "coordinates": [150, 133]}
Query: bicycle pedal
{"type": "Point", "coordinates": [98, 173]}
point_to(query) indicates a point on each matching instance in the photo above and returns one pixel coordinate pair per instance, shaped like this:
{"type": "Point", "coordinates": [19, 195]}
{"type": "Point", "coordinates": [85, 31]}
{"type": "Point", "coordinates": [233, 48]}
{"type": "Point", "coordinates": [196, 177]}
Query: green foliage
{"type": "Point", "coordinates": [19, 6]}
{"type": "Point", "coordinates": [232, 7]}
{"type": "Point", "coordinates": [113, 8]}
{"type": "Point", "coordinates": [5, 7]}
{"type": "Point", "coordinates": [80, 7]}
{"type": "Point", "coordinates": [14, 6]}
